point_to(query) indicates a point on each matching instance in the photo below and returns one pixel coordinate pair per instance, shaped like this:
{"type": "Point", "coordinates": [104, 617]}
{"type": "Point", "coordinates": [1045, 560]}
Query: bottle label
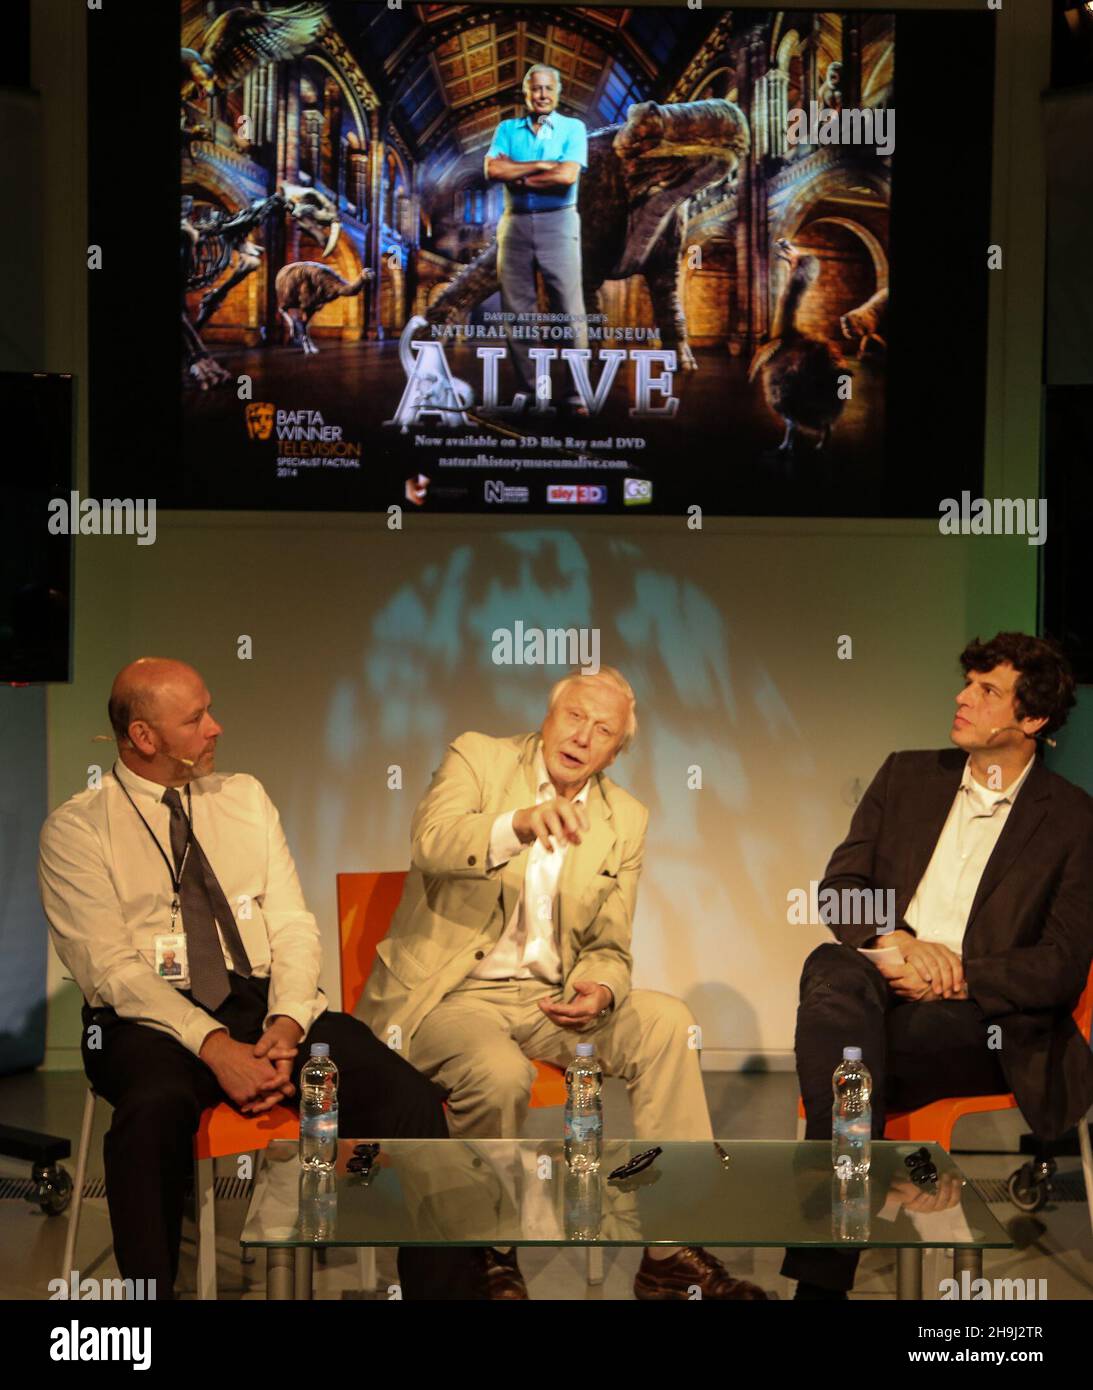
{"type": "Point", "coordinates": [321, 1126]}
{"type": "Point", "coordinates": [582, 1129]}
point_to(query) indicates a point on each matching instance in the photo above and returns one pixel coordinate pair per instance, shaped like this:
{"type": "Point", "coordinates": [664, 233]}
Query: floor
{"type": "Point", "coordinates": [1055, 1244]}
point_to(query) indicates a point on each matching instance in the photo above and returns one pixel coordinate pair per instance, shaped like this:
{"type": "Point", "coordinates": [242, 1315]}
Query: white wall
{"type": "Point", "coordinates": [374, 648]}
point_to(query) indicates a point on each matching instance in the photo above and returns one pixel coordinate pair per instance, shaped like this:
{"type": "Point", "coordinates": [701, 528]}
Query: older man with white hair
{"type": "Point", "coordinates": [539, 157]}
{"type": "Point", "coordinates": [512, 943]}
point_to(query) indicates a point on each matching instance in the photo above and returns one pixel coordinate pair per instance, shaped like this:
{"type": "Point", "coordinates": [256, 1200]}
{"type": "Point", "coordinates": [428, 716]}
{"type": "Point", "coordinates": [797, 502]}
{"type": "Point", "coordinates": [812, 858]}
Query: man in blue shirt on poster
{"type": "Point", "coordinates": [539, 158]}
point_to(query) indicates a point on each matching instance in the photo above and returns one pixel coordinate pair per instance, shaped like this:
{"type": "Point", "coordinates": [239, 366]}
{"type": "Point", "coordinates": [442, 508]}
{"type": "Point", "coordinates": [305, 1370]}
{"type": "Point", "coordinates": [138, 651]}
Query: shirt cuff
{"type": "Point", "coordinates": [197, 1028]}
{"type": "Point", "coordinates": [302, 1012]}
{"type": "Point", "coordinates": [505, 844]}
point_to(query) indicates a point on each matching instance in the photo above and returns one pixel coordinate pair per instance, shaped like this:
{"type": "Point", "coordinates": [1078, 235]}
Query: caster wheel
{"type": "Point", "coordinates": [53, 1190]}
{"type": "Point", "coordinates": [1025, 1192]}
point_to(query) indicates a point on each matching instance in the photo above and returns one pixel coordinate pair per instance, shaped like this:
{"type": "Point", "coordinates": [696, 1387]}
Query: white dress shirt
{"type": "Point", "coordinates": [943, 899]}
{"type": "Point", "coordinates": [107, 893]}
{"type": "Point", "coordinates": [528, 947]}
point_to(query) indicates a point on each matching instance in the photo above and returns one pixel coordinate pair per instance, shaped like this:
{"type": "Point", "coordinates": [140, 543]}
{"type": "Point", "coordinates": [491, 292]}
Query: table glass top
{"type": "Point", "coordinates": [698, 1192]}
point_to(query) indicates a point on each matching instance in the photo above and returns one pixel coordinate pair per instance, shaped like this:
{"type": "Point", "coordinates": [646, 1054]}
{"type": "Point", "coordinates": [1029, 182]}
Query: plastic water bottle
{"type": "Point", "coordinates": [584, 1111]}
{"type": "Point", "coordinates": [583, 1204]}
{"type": "Point", "coordinates": [851, 1115]}
{"type": "Point", "coordinates": [318, 1203]}
{"type": "Point", "coordinates": [319, 1109]}
{"type": "Point", "coordinates": [850, 1210]}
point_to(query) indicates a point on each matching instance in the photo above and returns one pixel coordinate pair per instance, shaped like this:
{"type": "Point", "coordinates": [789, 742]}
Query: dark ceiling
{"type": "Point", "coordinates": [450, 73]}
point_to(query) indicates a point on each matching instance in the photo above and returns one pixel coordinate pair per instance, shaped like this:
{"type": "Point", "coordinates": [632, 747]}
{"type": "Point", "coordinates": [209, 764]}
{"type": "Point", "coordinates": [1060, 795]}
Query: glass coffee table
{"type": "Point", "coordinates": [519, 1192]}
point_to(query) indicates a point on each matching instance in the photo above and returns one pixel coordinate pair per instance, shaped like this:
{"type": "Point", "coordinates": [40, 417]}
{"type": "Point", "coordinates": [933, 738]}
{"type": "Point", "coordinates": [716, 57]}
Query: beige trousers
{"type": "Point", "coordinates": [480, 1040]}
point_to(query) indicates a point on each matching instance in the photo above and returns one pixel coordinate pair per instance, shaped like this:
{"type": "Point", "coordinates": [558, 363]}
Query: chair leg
{"type": "Point", "coordinates": [86, 1125]}
{"type": "Point", "coordinates": [246, 1253]}
{"type": "Point", "coordinates": [206, 1228]}
{"type": "Point", "coordinates": [1087, 1164]}
{"type": "Point", "coordinates": [366, 1266]}
{"type": "Point", "coordinates": [595, 1264]}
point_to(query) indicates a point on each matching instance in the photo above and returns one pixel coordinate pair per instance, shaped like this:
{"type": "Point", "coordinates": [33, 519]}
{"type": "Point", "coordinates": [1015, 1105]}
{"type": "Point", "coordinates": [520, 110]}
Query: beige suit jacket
{"type": "Point", "coordinates": [453, 909]}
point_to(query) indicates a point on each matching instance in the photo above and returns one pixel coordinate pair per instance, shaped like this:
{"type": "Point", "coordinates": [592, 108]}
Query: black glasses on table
{"type": "Point", "coordinates": [637, 1164]}
{"type": "Point", "coordinates": [923, 1169]}
{"type": "Point", "coordinates": [364, 1155]}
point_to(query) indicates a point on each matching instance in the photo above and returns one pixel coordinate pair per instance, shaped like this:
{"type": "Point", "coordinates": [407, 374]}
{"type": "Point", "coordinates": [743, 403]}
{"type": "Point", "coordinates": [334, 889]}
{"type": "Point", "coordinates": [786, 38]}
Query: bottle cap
{"type": "Point", "coordinates": [851, 1054]}
{"type": "Point", "coordinates": [586, 1050]}
{"type": "Point", "coordinates": [320, 1049]}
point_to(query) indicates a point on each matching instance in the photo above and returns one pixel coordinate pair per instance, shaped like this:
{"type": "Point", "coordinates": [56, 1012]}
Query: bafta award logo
{"type": "Point", "coordinates": [259, 417]}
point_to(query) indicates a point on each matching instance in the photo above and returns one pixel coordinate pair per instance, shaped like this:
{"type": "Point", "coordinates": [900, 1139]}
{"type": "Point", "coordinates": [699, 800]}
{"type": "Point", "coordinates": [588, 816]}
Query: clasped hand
{"type": "Point", "coordinates": [929, 971]}
{"type": "Point", "coordinates": [255, 1077]}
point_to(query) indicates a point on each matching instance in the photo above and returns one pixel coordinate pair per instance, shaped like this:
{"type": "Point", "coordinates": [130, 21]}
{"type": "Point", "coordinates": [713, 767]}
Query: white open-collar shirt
{"type": "Point", "coordinates": [943, 900]}
{"type": "Point", "coordinates": [528, 947]}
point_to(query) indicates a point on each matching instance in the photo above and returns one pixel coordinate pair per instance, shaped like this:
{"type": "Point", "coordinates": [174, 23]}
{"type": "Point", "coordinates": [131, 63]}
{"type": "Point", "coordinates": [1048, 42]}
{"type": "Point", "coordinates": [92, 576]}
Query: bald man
{"type": "Point", "coordinates": [173, 900]}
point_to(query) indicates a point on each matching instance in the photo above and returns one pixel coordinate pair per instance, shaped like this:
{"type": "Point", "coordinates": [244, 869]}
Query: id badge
{"type": "Point", "coordinates": [171, 962]}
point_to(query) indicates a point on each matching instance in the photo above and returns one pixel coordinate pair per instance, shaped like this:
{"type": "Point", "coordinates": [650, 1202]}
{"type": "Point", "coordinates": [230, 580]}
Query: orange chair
{"type": "Point", "coordinates": [934, 1123]}
{"type": "Point", "coordinates": [366, 904]}
{"type": "Point", "coordinates": [222, 1131]}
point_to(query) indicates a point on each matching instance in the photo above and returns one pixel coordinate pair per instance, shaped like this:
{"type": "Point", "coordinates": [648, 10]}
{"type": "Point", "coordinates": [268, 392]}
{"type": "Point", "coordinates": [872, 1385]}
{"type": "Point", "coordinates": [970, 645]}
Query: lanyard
{"type": "Point", "coordinates": [176, 879]}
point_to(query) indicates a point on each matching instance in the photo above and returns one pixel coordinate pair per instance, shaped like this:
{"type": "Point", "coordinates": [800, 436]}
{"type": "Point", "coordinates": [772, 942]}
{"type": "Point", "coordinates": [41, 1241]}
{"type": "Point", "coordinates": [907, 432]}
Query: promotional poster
{"type": "Point", "coordinates": [571, 258]}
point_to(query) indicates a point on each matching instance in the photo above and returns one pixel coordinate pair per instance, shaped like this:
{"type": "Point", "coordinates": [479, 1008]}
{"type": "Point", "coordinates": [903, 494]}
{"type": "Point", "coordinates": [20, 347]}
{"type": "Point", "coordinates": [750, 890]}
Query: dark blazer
{"type": "Point", "coordinates": [1029, 938]}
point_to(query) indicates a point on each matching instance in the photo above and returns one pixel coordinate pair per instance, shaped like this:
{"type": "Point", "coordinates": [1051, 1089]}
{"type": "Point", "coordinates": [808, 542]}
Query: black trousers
{"type": "Point", "coordinates": [915, 1052]}
{"type": "Point", "coordinates": [158, 1089]}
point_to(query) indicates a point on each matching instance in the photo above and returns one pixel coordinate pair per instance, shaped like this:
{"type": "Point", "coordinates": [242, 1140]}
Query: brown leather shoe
{"type": "Point", "coordinates": [503, 1277]}
{"type": "Point", "coordinates": [692, 1267]}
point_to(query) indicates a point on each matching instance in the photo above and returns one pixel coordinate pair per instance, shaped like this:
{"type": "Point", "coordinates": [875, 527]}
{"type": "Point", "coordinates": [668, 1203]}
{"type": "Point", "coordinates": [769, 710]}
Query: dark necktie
{"type": "Point", "coordinates": [203, 905]}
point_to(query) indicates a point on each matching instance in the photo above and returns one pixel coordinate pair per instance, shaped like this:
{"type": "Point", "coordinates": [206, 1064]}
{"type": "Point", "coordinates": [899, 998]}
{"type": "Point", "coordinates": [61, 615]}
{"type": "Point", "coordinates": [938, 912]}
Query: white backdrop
{"type": "Point", "coordinates": [373, 649]}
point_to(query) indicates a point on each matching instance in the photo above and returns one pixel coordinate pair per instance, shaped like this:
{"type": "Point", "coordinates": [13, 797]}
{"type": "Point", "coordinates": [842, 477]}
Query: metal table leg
{"type": "Point", "coordinates": [280, 1280]}
{"type": "Point", "coordinates": [303, 1271]}
{"type": "Point", "coordinates": [909, 1273]}
{"type": "Point", "coordinates": [970, 1261]}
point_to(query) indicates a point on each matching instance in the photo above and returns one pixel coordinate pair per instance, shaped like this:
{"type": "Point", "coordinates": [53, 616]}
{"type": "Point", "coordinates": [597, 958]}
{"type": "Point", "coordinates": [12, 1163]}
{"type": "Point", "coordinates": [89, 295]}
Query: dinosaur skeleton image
{"type": "Point", "coordinates": [214, 241]}
{"type": "Point", "coordinates": [639, 174]}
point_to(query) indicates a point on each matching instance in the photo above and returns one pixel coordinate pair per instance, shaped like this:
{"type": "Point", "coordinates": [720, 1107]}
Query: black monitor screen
{"type": "Point", "coordinates": [36, 548]}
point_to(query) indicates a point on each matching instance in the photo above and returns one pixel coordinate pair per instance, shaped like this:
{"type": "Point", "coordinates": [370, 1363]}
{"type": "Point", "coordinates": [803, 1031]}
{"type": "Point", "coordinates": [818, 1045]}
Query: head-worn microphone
{"type": "Point", "coordinates": [108, 738]}
{"type": "Point", "coordinates": [1005, 728]}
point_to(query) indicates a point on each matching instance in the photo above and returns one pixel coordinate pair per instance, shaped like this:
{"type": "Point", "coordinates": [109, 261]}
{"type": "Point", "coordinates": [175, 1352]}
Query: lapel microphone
{"type": "Point", "coordinates": [1005, 728]}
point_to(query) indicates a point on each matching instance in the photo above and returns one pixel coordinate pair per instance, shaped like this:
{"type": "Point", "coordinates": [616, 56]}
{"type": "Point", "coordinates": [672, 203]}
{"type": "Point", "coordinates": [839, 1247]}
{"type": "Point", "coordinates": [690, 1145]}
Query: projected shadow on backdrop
{"type": "Point", "coordinates": [424, 674]}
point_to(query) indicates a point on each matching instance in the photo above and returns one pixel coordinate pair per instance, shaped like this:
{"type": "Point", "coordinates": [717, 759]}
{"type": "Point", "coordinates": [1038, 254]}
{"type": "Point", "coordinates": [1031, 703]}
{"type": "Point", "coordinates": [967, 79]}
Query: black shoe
{"type": "Point", "coordinates": [503, 1277]}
